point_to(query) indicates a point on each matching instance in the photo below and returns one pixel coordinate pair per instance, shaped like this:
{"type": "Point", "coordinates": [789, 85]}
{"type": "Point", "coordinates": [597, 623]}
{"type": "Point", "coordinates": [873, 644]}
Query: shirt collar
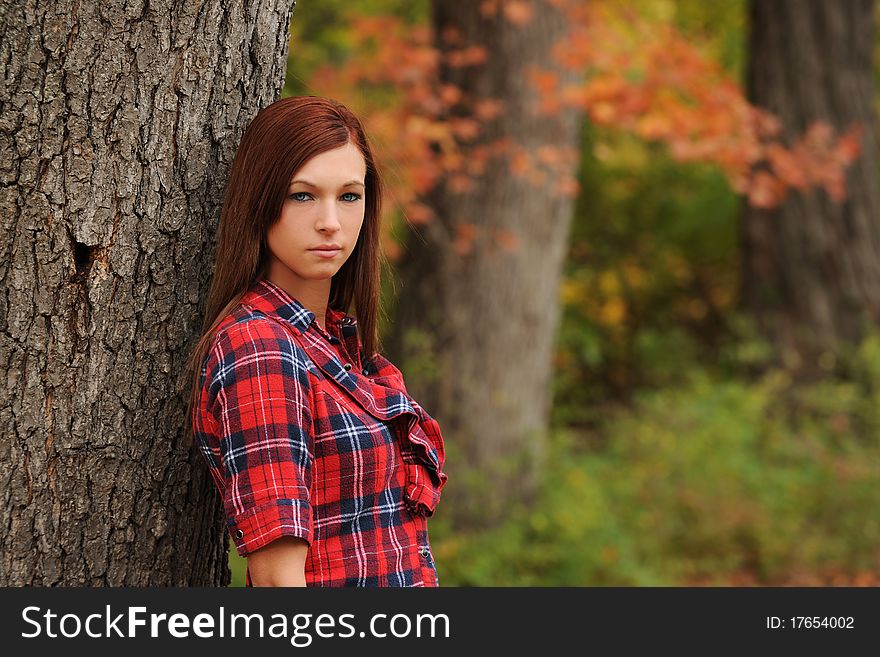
{"type": "Point", "coordinates": [267, 297]}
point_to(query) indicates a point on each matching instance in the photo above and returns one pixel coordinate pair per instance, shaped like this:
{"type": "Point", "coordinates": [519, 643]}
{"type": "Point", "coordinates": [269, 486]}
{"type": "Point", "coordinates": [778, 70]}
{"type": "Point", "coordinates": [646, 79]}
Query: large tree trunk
{"type": "Point", "coordinates": [811, 268]}
{"type": "Point", "coordinates": [476, 321]}
{"type": "Point", "coordinates": [118, 120]}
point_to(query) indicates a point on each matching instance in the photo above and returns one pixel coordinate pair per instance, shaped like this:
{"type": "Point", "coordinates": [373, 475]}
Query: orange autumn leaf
{"type": "Point", "coordinates": [520, 164]}
{"type": "Point", "coordinates": [567, 186]}
{"type": "Point", "coordinates": [470, 56]}
{"type": "Point", "coordinates": [460, 184]}
{"type": "Point", "coordinates": [654, 126]}
{"type": "Point", "coordinates": [849, 146]}
{"type": "Point", "coordinates": [452, 35]}
{"type": "Point", "coordinates": [465, 129]}
{"type": "Point", "coordinates": [488, 8]}
{"type": "Point", "coordinates": [518, 12]}
{"type": "Point", "coordinates": [465, 234]}
{"type": "Point", "coordinates": [507, 239]}
{"type": "Point", "coordinates": [786, 166]}
{"type": "Point", "coordinates": [487, 109]}
{"type": "Point", "coordinates": [419, 213]}
{"type": "Point", "coordinates": [765, 191]}
{"type": "Point", "coordinates": [549, 155]}
{"type": "Point", "coordinates": [450, 94]}
{"type": "Point", "coordinates": [544, 82]}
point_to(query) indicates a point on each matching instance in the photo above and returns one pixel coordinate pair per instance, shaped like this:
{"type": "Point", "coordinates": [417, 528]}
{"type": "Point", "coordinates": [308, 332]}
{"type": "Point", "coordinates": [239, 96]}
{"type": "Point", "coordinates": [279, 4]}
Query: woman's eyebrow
{"type": "Point", "coordinates": [308, 184]}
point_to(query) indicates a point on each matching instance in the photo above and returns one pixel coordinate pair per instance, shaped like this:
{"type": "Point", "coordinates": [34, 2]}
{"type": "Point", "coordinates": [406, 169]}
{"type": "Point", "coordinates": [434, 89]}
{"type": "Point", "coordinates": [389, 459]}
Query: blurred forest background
{"type": "Point", "coordinates": [686, 445]}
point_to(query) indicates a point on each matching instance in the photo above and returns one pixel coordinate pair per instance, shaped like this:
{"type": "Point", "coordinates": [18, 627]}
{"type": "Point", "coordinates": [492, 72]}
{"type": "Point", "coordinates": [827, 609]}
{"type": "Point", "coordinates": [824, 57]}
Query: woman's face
{"type": "Point", "coordinates": [324, 207]}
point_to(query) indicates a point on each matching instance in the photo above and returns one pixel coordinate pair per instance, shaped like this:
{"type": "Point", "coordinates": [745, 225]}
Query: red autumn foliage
{"type": "Point", "coordinates": [629, 74]}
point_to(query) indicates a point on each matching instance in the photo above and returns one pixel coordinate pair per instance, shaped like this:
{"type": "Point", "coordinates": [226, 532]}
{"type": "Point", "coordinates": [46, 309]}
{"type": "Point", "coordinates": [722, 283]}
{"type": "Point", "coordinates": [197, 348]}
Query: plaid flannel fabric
{"type": "Point", "coordinates": [304, 436]}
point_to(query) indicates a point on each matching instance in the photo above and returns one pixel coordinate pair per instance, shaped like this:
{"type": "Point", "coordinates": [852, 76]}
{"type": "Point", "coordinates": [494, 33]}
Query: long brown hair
{"type": "Point", "coordinates": [276, 144]}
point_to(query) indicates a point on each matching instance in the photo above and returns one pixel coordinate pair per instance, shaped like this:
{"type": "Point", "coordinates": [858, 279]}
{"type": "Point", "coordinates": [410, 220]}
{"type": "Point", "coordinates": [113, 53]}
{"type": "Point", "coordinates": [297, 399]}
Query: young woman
{"type": "Point", "coordinates": [327, 468]}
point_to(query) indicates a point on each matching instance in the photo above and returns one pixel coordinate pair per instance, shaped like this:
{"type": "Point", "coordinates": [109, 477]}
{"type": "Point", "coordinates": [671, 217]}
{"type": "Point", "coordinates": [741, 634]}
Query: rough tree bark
{"type": "Point", "coordinates": [811, 267]}
{"type": "Point", "coordinates": [118, 120]}
{"type": "Point", "coordinates": [476, 326]}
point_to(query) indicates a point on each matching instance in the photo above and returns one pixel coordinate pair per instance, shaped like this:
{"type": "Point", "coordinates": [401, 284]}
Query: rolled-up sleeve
{"type": "Point", "coordinates": [259, 396]}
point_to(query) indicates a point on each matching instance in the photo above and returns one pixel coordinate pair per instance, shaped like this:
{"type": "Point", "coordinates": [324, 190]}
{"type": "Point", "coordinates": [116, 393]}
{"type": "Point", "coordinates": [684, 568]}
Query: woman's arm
{"type": "Point", "coordinates": [280, 563]}
{"type": "Point", "coordinates": [260, 444]}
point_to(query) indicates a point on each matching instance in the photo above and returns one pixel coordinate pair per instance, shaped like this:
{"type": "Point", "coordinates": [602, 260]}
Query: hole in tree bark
{"type": "Point", "coordinates": [84, 256]}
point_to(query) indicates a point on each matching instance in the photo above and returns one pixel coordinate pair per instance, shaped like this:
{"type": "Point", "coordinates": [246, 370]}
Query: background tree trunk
{"type": "Point", "coordinates": [118, 120]}
{"type": "Point", "coordinates": [811, 268]}
{"type": "Point", "coordinates": [476, 321]}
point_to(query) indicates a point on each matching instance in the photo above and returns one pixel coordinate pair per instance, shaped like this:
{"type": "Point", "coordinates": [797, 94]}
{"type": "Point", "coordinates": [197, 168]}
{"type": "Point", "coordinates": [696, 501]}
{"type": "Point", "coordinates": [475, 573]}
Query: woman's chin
{"type": "Point", "coordinates": [322, 273]}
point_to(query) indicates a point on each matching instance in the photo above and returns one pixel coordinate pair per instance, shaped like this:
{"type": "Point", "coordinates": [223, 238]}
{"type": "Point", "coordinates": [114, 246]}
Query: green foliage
{"type": "Point", "coordinates": [238, 566]}
{"type": "Point", "coordinates": [320, 34]}
{"type": "Point", "coordinates": [651, 276]}
{"type": "Point", "coordinates": [711, 481]}
{"type": "Point", "coordinates": [720, 25]}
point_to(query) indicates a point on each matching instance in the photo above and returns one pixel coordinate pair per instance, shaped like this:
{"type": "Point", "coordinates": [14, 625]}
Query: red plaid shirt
{"type": "Point", "coordinates": [305, 437]}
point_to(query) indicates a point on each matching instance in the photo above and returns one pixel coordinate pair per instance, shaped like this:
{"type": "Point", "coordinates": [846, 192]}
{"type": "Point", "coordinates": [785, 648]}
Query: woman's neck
{"type": "Point", "coordinates": [313, 295]}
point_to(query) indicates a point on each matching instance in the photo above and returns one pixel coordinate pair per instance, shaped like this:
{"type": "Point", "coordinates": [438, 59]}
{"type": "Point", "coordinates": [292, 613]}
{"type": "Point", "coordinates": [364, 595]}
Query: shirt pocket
{"type": "Point", "coordinates": [356, 456]}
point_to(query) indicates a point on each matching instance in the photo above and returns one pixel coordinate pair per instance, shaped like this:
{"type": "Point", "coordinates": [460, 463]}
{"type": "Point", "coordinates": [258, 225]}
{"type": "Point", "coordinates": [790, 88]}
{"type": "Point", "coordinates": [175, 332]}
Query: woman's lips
{"type": "Point", "coordinates": [325, 253]}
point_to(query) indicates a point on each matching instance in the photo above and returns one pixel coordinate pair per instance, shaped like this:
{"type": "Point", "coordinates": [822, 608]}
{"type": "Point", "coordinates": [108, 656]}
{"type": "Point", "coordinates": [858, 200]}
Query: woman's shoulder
{"type": "Point", "coordinates": [246, 323]}
{"type": "Point", "coordinates": [246, 334]}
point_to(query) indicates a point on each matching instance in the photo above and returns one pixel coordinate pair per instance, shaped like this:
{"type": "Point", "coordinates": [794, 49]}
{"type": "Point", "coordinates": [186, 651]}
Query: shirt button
{"type": "Point", "coordinates": [365, 371]}
{"type": "Point", "coordinates": [424, 551]}
{"type": "Point", "coordinates": [239, 533]}
{"type": "Point", "coordinates": [347, 367]}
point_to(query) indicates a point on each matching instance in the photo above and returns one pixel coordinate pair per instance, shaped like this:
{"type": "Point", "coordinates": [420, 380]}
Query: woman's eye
{"type": "Point", "coordinates": [351, 200]}
{"type": "Point", "coordinates": [296, 196]}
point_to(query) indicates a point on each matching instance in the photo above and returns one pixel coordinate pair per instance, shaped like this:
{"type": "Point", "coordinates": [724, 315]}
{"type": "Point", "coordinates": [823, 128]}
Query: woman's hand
{"type": "Point", "coordinates": [280, 563]}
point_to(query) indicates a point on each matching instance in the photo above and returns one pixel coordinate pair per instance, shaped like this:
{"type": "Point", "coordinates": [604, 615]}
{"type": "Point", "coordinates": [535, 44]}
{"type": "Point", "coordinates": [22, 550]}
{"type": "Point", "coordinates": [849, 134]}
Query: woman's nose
{"type": "Point", "coordinates": [328, 218]}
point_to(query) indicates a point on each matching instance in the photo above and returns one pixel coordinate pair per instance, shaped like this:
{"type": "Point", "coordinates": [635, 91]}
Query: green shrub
{"type": "Point", "coordinates": [701, 483]}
